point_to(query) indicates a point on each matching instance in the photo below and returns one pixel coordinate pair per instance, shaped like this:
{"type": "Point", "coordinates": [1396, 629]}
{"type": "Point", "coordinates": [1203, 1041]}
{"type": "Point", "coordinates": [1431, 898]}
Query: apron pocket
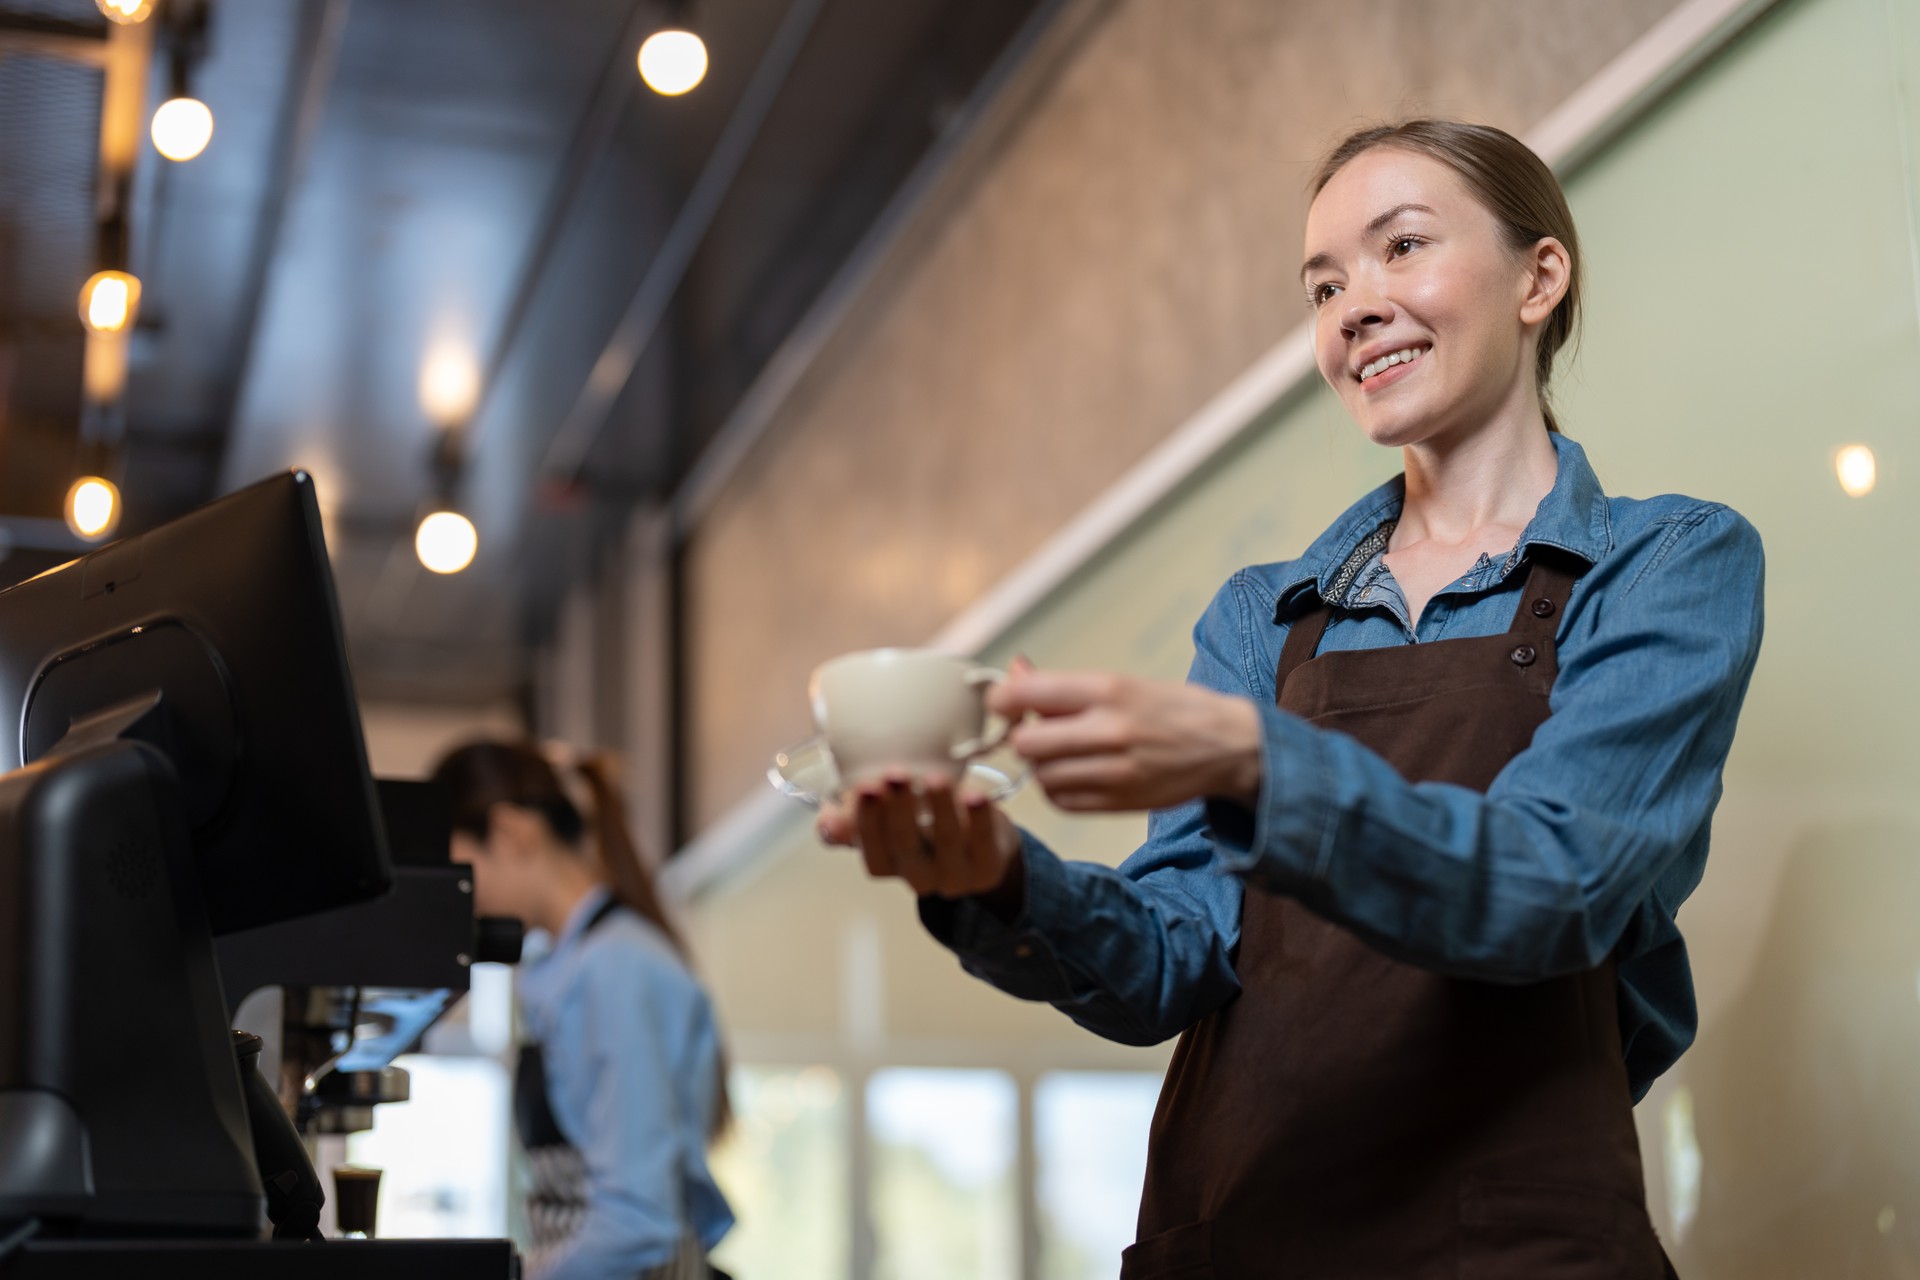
{"type": "Point", "coordinates": [1184, 1253]}
{"type": "Point", "coordinates": [1530, 1231]}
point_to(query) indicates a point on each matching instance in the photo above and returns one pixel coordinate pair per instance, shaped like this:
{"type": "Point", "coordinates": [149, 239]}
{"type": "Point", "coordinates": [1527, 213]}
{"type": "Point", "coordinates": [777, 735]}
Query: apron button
{"type": "Point", "coordinates": [1523, 655]}
{"type": "Point", "coordinates": [1543, 608]}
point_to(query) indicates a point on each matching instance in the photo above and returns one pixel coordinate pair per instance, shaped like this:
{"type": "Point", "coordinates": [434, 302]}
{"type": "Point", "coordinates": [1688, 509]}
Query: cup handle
{"type": "Point", "coordinates": [993, 739]}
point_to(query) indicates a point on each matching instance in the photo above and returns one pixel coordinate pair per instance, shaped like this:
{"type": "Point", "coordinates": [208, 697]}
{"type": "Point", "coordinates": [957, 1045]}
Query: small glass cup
{"type": "Point", "coordinates": [356, 1200]}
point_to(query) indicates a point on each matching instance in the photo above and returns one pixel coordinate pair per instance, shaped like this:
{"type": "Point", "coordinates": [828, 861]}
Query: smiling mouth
{"type": "Point", "coordinates": [1406, 355]}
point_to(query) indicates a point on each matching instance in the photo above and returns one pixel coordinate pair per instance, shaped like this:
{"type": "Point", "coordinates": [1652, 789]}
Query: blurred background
{"type": "Point", "coordinates": [975, 322]}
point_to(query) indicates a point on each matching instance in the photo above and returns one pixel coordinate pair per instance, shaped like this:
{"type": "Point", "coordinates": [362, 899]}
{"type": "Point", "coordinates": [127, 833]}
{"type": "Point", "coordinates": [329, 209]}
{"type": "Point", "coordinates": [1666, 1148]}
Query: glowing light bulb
{"type": "Point", "coordinates": [449, 384]}
{"type": "Point", "coordinates": [673, 61]}
{"type": "Point", "coordinates": [93, 507]}
{"type": "Point", "coordinates": [1857, 469]}
{"type": "Point", "coordinates": [109, 301]}
{"type": "Point", "coordinates": [446, 542]}
{"type": "Point", "coordinates": [125, 11]}
{"type": "Point", "coordinates": [182, 128]}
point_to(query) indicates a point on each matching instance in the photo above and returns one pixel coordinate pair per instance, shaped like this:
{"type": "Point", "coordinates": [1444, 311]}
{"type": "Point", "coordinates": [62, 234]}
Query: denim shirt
{"type": "Point", "coordinates": [1585, 845]}
{"type": "Point", "coordinates": [630, 1048]}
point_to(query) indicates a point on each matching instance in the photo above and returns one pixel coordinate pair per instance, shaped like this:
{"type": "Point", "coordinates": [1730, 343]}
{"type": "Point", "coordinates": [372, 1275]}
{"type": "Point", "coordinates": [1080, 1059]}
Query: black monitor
{"type": "Point", "coordinates": [180, 755]}
{"type": "Point", "coordinates": [228, 614]}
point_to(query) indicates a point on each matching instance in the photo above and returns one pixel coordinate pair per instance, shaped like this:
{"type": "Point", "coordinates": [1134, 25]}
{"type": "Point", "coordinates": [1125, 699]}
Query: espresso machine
{"type": "Point", "coordinates": [186, 815]}
{"type": "Point", "coordinates": [360, 985]}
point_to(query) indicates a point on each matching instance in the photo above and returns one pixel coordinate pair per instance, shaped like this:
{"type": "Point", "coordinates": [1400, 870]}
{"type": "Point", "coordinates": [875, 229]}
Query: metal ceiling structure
{"type": "Point", "coordinates": [479, 195]}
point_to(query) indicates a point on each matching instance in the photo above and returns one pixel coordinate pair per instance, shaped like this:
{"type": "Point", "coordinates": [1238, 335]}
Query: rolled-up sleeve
{"type": "Point", "coordinates": [1542, 873]}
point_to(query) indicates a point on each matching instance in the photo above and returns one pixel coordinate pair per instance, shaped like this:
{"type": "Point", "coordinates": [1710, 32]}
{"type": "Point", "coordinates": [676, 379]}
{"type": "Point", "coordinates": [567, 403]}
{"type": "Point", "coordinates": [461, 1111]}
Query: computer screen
{"type": "Point", "coordinates": [228, 614]}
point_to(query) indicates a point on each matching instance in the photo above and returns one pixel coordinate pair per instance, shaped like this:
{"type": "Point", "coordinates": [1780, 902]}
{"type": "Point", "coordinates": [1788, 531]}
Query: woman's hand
{"type": "Point", "coordinates": [1102, 742]}
{"type": "Point", "coordinates": [943, 841]}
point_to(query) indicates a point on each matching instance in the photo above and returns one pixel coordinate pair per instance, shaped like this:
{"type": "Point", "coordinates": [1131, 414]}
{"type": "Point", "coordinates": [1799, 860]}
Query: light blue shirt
{"type": "Point", "coordinates": [630, 1048]}
{"type": "Point", "coordinates": [1585, 845]}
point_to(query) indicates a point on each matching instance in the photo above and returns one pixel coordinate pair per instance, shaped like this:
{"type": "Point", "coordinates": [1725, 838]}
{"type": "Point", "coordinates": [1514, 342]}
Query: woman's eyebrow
{"type": "Point", "coordinates": [1381, 221]}
{"type": "Point", "coordinates": [1319, 260]}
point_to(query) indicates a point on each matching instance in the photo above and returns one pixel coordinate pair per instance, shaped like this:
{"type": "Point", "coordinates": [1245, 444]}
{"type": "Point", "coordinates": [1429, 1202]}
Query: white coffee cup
{"type": "Point", "coordinates": [916, 710]}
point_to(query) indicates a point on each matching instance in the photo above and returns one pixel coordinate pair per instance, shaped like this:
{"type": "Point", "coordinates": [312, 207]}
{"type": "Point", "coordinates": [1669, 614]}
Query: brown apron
{"type": "Point", "coordinates": [1352, 1117]}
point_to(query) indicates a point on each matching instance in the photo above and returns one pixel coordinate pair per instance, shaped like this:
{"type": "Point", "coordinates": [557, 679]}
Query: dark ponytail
{"type": "Point", "coordinates": [628, 875]}
{"type": "Point", "coordinates": [483, 774]}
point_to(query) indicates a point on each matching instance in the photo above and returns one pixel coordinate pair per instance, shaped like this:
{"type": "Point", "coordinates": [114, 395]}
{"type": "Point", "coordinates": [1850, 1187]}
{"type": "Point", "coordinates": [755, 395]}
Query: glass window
{"type": "Point", "coordinates": [443, 1154]}
{"type": "Point", "coordinates": [1090, 1146]}
{"type": "Point", "coordinates": [945, 1197]}
{"type": "Point", "coordinates": [784, 1169]}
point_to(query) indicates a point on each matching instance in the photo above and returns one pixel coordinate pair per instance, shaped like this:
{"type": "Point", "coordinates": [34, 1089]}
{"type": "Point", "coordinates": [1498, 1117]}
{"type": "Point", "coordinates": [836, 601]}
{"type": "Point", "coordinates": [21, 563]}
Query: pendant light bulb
{"type": "Point", "coordinates": [92, 507]}
{"type": "Point", "coordinates": [673, 61]}
{"type": "Point", "coordinates": [109, 301]}
{"type": "Point", "coordinates": [125, 12]}
{"type": "Point", "coordinates": [182, 128]}
{"type": "Point", "coordinates": [446, 542]}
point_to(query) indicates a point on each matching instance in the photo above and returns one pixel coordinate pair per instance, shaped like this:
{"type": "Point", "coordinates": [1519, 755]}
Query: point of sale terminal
{"type": "Point", "coordinates": [187, 818]}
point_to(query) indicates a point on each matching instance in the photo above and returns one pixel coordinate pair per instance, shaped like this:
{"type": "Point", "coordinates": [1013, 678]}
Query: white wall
{"type": "Point", "coordinates": [406, 739]}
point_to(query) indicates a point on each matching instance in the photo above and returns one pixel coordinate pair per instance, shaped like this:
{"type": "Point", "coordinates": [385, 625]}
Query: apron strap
{"type": "Point", "coordinates": [607, 908]}
{"type": "Point", "coordinates": [533, 1114]}
{"type": "Point", "coordinates": [1303, 641]}
{"type": "Point", "coordinates": [1550, 580]}
{"type": "Point", "coordinates": [1549, 583]}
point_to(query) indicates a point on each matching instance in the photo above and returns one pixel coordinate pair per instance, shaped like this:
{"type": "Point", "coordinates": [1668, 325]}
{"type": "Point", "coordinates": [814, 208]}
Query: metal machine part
{"type": "Point", "coordinates": [337, 1049]}
{"type": "Point", "coordinates": [343, 1101]}
{"type": "Point", "coordinates": [362, 984]}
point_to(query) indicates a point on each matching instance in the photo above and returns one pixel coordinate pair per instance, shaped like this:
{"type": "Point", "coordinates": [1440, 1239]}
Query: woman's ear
{"type": "Point", "coordinates": [512, 830]}
{"type": "Point", "coordinates": [1549, 276]}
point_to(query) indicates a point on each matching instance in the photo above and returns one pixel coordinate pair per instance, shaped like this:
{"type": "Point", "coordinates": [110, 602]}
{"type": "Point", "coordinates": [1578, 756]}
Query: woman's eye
{"type": "Point", "coordinates": [1402, 247]}
{"type": "Point", "coordinates": [1321, 292]}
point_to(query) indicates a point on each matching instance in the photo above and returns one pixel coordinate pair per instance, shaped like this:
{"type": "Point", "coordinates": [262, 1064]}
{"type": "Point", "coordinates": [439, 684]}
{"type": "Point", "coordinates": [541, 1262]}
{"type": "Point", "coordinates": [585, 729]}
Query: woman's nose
{"type": "Point", "coordinates": [1364, 312]}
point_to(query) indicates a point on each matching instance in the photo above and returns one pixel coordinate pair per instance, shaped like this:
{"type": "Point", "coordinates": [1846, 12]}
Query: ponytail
{"type": "Point", "coordinates": [631, 880]}
{"type": "Point", "coordinates": [628, 876]}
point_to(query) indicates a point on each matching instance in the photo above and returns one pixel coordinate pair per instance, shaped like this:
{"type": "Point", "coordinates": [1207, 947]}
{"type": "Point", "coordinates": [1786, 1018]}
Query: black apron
{"type": "Point", "coordinates": [1353, 1117]}
{"type": "Point", "coordinates": [557, 1194]}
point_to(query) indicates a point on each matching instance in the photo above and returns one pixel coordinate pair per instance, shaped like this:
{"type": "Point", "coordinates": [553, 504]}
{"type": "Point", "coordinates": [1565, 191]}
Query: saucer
{"type": "Point", "coordinates": [806, 772]}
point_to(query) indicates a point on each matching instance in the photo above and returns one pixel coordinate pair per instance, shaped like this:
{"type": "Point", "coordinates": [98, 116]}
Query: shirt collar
{"type": "Point", "coordinates": [582, 912]}
{"type": "Point", "coordinates": [1573, 516]}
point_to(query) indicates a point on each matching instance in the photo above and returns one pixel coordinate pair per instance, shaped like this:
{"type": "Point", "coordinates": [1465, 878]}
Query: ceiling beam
{"type": "Point", "coordinates": [31, 33]}
{"type": "Point", "coordinates": [323, 25]}
{"type": "Point", "coordinates": [573, 441]}
{"type": "Point", "coordinates": [598, 127]}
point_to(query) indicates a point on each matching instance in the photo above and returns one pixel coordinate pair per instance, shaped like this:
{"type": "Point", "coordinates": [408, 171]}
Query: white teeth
{"type": "Point", "coordinates": [1386, 362]}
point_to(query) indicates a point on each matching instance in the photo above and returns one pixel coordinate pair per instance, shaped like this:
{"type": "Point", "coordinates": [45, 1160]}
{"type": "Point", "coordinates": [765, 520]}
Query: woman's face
{"type": "Point", "coordinates": [1418, 301]}
{"type": "Point", "coordinates": [505, 866]}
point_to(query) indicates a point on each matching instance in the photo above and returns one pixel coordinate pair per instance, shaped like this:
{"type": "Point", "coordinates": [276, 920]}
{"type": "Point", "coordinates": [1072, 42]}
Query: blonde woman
{"type": "Point", "coordinates": [1423, 812]}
